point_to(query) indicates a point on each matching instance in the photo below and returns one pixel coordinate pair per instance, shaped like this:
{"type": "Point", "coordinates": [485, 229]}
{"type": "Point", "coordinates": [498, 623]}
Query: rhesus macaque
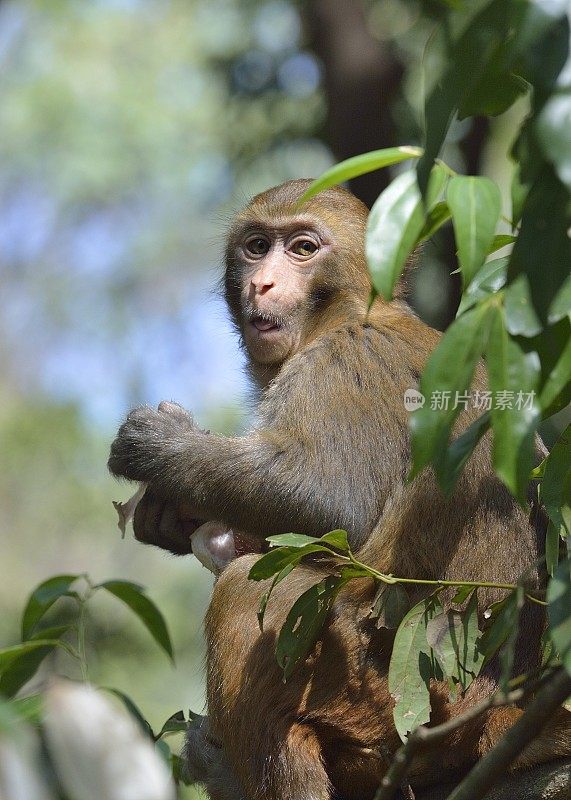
{"type": "Point", "coordinates": [330, 449]}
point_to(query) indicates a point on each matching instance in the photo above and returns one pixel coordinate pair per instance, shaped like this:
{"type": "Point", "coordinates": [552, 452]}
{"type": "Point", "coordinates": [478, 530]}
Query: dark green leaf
{"type": "Point", "coordinates": [553, 345]}
{"type": "Point", "coordinates": [543, 240]}
{"type": "Point", "coordinates": [519, 192]}
{"type": "Point", "coordinates": [454, 638]}
{"type": "Point", "coordinates": [445, 378]}
{"type": "Point", "coordinates": [42, 598]}
{"type": "Point", "coordinates": [134, 596]}
{"type": "Point", "coordinates": [555, 488]}
{"type": "Point", "coordinates": [395, 223]}
{"type": "Point", "coordinates": [390, 606]}
{"type": "Point", "coordinates": [474, 203]}
{"type": "Point", "coordinates": [488, 280]}
{"type": "Point", "coordinates": [411, 668]}
{"type": "Point", "coordinates": [435, 219]}
{"type": "Point", "coordinates": [133, 709]}
{"type": "Point", "coordinates": [559, 611]}
{"type": "Point", "coordinates": [9, 654]}
{"type": "Point", "coordinates": [458, 453]}
{"type": "Point", "coordinates": [521, 319]}
{"type": "Point", "coordinates": [359, 165]}
{"type": "Point", "coordinates": [514, 377]}
{"type": "Point", "coordinates": [22, 669]}
{"type": "Point", "coordinates": [473, 59]}
{"type": "Point", "coordinates": [503, 631]}
{"type": "Point", "coordinates": [304, 622]}
{"type": "Point", "coordinates": [552, 540]}
{"type": "Point", "coordinates": [462, 594]}
{"type": "Point", "coordinates": [174, 724]}
{"type": "Point", "coordinates": [276, 560]}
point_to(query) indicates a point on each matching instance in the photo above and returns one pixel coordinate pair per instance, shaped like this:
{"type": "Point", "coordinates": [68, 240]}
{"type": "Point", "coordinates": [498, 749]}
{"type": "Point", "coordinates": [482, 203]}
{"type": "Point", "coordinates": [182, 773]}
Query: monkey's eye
{"type": "Point", "coordinates": [257, 246]}
{"type": "Point", "coordinates": [304, 247]}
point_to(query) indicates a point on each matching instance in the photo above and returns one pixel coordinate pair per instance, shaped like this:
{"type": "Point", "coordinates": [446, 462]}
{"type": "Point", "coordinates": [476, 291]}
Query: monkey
{"type": "Point", "coordinates": [330, 449]}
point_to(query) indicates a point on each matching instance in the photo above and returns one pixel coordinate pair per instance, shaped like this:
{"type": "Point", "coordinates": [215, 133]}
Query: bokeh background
{"type": "Point", "coordinates": [129, 131]}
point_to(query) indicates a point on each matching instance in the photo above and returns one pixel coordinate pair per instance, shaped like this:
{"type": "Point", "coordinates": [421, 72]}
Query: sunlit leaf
{"type": "Point", "coordinates": [488, 280]}
{"type": "Point", "coordinates": [134, 596]}
{"type": "Point", "coordinates": [394, 226]}
{"type": "Point", "coordinates": [291, 540]}
{"type": "Point", "coordinates": [411, 668]}
{"type": "Point", "coordinates": [501, 240]}
{"type": "Point", "coordinates": [474, 203]}
{"type": "Point", "coordinates": [359, 165]}
{"type": "Point", "coordinates": [42, 598]}
{"type": "Point", "coordinates": [559, 599]}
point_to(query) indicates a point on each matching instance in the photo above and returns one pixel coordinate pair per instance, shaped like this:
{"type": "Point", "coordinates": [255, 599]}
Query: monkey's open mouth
{"type": "Point", "coordinates": [265, 322]}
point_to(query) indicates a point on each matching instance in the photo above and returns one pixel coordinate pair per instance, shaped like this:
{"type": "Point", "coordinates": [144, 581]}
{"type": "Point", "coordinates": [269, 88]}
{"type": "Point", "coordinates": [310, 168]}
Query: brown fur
{"type": "Point", "coordinates": [331, 449]}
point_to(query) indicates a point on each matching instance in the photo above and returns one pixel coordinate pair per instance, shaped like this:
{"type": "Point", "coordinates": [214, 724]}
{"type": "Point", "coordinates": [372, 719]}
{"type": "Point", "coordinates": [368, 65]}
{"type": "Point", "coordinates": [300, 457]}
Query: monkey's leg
{"type": "Point", "coordinates": [257, 717]}
{"type": "Point", "coordinates": [206, 763]}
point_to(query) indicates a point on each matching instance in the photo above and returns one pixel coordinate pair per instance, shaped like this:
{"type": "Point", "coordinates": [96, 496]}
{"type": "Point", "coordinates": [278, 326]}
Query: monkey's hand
{"type": "Point", "coordinates": [147, 441]}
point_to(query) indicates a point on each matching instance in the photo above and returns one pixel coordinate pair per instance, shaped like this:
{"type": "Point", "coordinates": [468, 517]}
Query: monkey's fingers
{"type": "Point", "coordinates": [157, 522]}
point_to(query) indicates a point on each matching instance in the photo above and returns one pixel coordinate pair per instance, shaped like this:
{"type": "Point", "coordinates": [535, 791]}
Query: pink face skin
{"type": "Point", "coordinates": [277, 266]}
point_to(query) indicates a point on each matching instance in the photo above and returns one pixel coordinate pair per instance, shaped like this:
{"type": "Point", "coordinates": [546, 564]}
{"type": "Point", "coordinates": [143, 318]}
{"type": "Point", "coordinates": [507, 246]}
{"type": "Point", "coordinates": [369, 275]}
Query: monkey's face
{"type": "Point", "coordinates": [277, 267]}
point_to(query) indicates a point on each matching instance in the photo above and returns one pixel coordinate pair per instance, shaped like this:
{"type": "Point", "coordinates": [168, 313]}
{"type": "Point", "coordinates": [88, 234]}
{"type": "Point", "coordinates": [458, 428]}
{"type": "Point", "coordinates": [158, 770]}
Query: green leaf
{"type": "Point", "coordinates": [513, 377]}
{"type": "Point", "coordinates": [411, 668]}
{"type": "Point", "coordinates": [278, 559]}
{"type": "Point", "coordinates": [266, 596]}
{"type": "Point", "coordinates": [304, 622]}
{"type": "Point", "coordinates": [553, 346]}
{"type": "Point", "coordinates": [555, 491]}
{"type": "Point", "coordinates": [359, 165]}
{"type": "Point", "coordinates": [454, 638]}
{"type": "Point", "coordinates": [552, 540]}
{"type": "Point", "coordinates": [23, 668]}
{"type": "Point", "coordinates": [559, 612]}
{"type": "Point", "coordinates": [390, 606]}
{"type": "Point", "coordinates": [501, 240]}
{"type": "Point", "coordinates": [134, 596]}
{"type": "Point", "coordinates": [435, 219]}
{"type": "Point", "coordinates": [9, 654]}
{"type": "Point", "coordinates": [445, 378]}
{"type": "Point", "coordinates": [503, 631]}
{"type": "Point", "coordinates": [42, 598]}
{"type": "Point", "coordinates": [521, 319]}
{"type": "Point", "coordinates": [176, 723]}
{"type": "Point", "coordinates": [553, 128]}
{"type": "Point", "coordinates": [475, 207]}
{"type": "Point", "coordinates": [462, 594]}
{"type": "Point", "coordinates": [459, 452]}
{"type": "Point", "coordinates": [544, 240]}
{"type": "Point", "coordinates": [519, 192]}
{"type": "Point", "coordinates": [473, 58]}
{"type": "Point", "coordinates": [30, 708]}
{"type": "Point", "coordinates": [487, 281]}
{"type": "Point", "coordinates": [337, 539]}
{"type": "Point", "coordinates": [291, 540]}
{"type": "Point", "coordinates": [133, 710]}
{"type": "Point", "coordinates": [395, 223]}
